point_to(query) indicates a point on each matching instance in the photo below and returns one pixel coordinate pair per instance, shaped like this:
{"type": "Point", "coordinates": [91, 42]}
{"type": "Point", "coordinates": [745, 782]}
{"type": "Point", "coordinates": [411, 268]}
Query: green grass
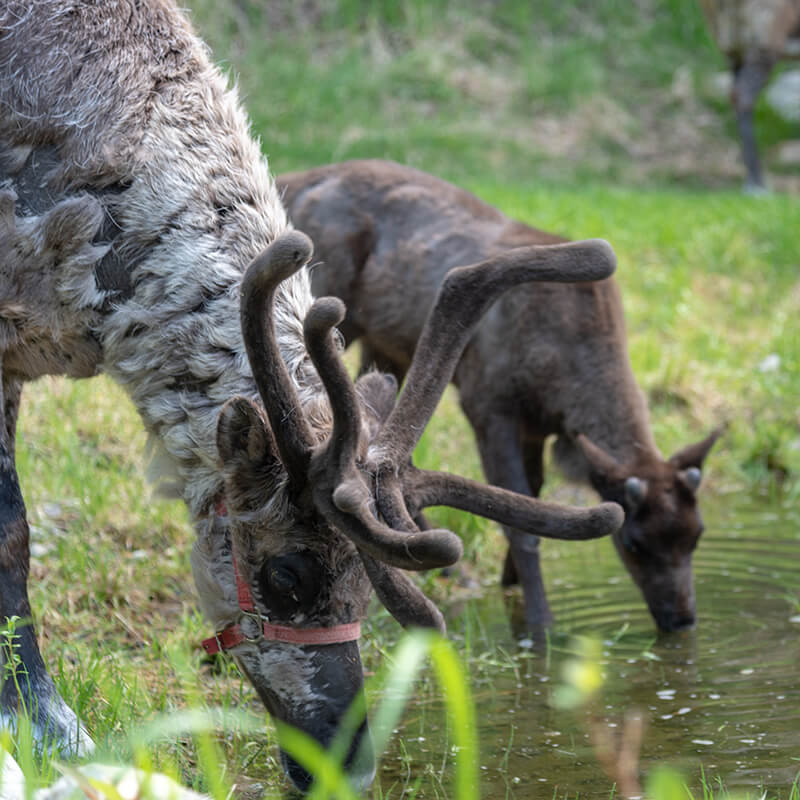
{"type": "Point", "coordinates": [517, 91]}
{"type": "Point", "coordinates": [588, 119]}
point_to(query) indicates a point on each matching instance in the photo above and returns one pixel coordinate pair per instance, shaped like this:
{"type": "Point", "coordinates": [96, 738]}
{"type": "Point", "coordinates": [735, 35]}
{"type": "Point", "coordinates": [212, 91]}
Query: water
{"type": "Point", "coordinates": [722, 701]}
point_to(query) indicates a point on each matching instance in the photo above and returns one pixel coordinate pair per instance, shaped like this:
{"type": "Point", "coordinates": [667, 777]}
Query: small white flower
{"type": "Point", "coordinates": [772, 363]}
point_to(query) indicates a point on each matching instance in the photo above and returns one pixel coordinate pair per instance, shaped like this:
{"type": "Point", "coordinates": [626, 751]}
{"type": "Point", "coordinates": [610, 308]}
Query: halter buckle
{"type": "Point", "coordinates": [250, 624]}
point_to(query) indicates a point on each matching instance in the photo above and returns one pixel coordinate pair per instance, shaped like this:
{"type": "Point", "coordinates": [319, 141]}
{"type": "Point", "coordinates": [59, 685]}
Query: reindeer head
{"type": "Point", "coordinates": [662, 523]}
{"type": "Point", "coordinates": [315, 519]}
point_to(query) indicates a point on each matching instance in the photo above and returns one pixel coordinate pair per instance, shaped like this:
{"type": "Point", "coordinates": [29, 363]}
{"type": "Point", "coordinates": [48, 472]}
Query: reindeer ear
{"type": "Point", "coordinates": [694, 454]}
{"type": "Point", "coordinates": [378, 393]}
{"type": "Point", "coordinates": [249, 455]}
{"type": "Point", "coordinates": [602, 465]}
{"type": "Point", "coordinates": [243, 436]}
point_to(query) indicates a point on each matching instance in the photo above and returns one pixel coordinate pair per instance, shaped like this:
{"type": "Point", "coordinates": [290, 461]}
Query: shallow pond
{"type": "Point", "coordinates": [721, 703]}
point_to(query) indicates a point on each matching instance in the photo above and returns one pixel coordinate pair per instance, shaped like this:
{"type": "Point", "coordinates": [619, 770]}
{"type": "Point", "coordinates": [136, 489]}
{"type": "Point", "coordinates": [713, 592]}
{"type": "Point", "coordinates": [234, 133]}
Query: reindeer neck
{"type": "Point", "coordinates": [175, 341]}
{"type": "Point", "coordinates": [181, 359]}
{"type": "Point", "coordinates": [619, 423]}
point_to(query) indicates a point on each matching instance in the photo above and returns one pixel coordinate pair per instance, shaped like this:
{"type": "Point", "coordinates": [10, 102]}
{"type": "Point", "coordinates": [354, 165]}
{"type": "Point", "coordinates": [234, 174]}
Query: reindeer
{"type": "Point", "coordinates": [132, 200]}
{"type": "Point", "coordinates": [754, 35]}
{"type": "Point", "coordinates": [546, 359]}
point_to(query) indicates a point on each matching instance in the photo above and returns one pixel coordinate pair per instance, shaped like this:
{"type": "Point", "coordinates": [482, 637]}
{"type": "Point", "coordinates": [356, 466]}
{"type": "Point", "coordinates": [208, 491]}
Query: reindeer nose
{"type": "Point", "coordinates": [673, 622]}
{"type": "Point", "coordinates": [359, 764]}
{"type": "Point", "coordinates": [685, 622]}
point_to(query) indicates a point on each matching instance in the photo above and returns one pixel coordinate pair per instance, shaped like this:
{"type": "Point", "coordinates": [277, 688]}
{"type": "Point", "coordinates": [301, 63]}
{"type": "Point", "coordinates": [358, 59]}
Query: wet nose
{"type": "Point", "coordinates": [359, 764]}
{"type": "Point", "coordinates": [360, 778]}
{"type": "Point", "coordinates": [670, 623]}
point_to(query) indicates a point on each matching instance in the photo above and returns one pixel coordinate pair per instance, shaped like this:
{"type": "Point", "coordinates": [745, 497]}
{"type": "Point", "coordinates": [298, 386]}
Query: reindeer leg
{"type": "Point", "coordinates": [374, 359]}
{"type": "Point", "coordinates": [533, 454]}
{"type": "Point", "coordinates": [505, 465]}
{"type": "Point", "coordinates": [25, 686]}
{"type": "Point", "coordinates": [749, 79]}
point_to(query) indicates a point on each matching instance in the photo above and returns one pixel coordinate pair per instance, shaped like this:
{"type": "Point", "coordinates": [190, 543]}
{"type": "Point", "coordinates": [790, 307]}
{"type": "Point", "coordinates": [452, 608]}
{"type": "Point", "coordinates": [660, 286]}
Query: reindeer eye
{"type": "Point", "coordinates": [633, 546]}
{"type": "Point", "coordinates": [290, 584]}
{"type": "Point", "coordinates": [282, 579]}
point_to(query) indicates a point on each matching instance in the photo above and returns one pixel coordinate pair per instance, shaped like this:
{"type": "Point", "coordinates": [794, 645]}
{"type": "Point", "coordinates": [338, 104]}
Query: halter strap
{"type": "Point", "coordinates": [233, 635]}
{"type": "Point", "coordinates": [257, 627]}
{"type": "Point", "coordinates": [243, 594]}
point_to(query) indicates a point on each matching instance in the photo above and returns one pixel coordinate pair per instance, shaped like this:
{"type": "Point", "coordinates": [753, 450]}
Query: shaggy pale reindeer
{"type": "Point", "coordinates": [546, 359]}
{"type": "Point", "coordinates": [132, 198]}
{"type": "Point", "coordinates": [754, 35]}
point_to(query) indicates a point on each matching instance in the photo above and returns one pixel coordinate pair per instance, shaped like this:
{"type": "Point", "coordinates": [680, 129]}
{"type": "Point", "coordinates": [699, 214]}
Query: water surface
{"type": "Point", "coordinates": [722, 701]}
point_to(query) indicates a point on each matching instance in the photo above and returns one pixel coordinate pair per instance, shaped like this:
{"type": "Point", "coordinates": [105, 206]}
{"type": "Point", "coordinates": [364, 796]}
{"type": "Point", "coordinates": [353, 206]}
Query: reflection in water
{"type": "Point", "coordinates": [724, 698]}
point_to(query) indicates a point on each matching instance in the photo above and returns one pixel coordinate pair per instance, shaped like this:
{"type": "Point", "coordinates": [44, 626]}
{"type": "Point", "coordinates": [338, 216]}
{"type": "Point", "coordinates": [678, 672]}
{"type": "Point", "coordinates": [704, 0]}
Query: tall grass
{"type": "Point", "coordinates": [392, 688]}
{"type": "Point", "coordinates": [394, 685]}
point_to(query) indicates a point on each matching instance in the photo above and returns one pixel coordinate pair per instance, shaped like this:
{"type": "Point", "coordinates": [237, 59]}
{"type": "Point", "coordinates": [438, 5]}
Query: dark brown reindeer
{"type": "Point", "coordinates": [132, 198]}
{"type": "Point", "coordinates": [546, 359]}
{"type": "Point", "coordinates": [753, 35]}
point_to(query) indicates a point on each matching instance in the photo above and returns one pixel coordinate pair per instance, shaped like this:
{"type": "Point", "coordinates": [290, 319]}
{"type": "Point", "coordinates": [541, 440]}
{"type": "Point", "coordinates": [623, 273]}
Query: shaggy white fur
{"type": "Point", "coordinates": [132, 199]}
{"type": "Point", "coordinates": [196, 204]}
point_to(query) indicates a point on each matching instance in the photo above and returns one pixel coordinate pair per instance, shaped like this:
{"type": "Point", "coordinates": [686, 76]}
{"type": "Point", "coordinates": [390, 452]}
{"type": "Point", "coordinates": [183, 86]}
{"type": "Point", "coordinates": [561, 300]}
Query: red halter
{"type": "Point", "coordinates": [252, 626]}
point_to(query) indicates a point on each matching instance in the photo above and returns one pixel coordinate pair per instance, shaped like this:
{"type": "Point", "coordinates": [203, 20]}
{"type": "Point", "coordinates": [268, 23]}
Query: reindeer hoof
{"type": "Point", "coordinates": [753, 188]}
{"type": "Point", "coordinates": [56, 728]}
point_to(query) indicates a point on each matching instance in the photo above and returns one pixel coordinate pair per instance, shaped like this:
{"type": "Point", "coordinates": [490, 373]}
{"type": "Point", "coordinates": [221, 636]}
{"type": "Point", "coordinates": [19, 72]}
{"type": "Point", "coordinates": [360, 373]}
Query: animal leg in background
{"type": "Point", "coordinates": [26, 687]}
{"type": "Point", "coordinates": [749, 78]}
{"type": "Point", "coordinates": [372, 358]}
{"type": "Point", "coordinates": [504, 465]}
{"type": "Point", "coordinates": [533, 456]}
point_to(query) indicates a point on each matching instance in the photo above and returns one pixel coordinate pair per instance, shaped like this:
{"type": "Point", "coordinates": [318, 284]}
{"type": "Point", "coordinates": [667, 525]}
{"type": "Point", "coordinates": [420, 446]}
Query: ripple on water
{"type": "Point", "coordinates": [725, 696]}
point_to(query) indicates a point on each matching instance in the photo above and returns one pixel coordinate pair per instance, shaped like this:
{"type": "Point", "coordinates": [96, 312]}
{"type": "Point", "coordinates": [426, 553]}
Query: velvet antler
{"type": "Point", "coordinates": [466, 293]}
{"type": "Point", "coordinates": [550, 520]}
{"type": "Point", "coordinates": [370, 493]}
{"type": "Point", "coordinates": [281, 259]}
{"type": "Point", "coordinates": [464, 296]}
{"type": "Point", "coordinates": [338, 487]}
{"type": "Point", "coordinates": [347, 505]}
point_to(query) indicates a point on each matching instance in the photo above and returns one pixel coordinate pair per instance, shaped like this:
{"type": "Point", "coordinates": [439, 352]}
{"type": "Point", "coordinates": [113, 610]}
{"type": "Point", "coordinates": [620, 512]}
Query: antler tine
{"type": "Point", "coordinates": [464, 296]}
{"type": "Point", "coordinates": [414, 550]}
{"type": "Point", "coordinates": [324, 315]}
{"type": "Point", "coordinates": [338, 489]}
{"type": "Point", "coordinates": [281, 259]}
{"type": "Point", "coordinates": [401, 597]}
{"type": "Point", "coordinates": [550, 520]}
